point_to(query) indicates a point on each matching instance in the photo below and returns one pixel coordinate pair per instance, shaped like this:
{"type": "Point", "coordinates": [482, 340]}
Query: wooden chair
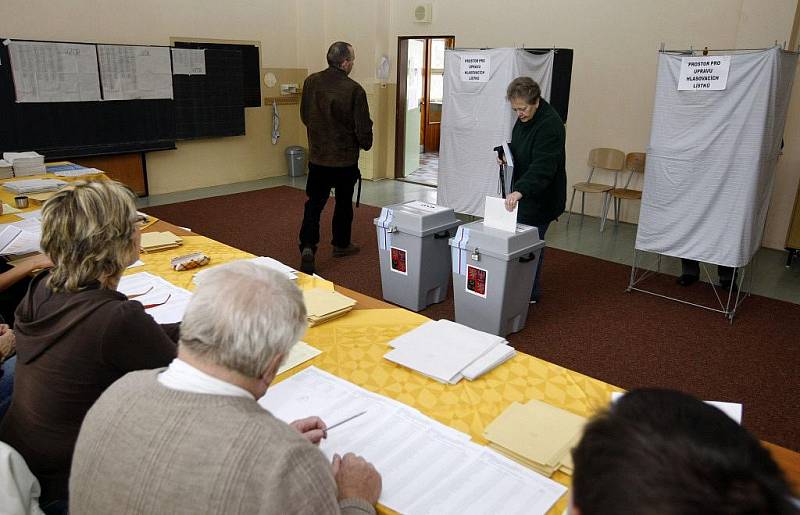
{"type": "Point", "coordinates": [634, 164]}
{"type": "Point", "coordinates": [607, 159]}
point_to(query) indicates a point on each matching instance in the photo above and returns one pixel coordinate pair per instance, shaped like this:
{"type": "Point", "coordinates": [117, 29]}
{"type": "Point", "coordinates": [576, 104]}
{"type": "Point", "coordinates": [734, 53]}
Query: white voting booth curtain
{"type": "Point", "coordinates": [712, 157]}
{"type": "Point", "coordinates": [476, 118]}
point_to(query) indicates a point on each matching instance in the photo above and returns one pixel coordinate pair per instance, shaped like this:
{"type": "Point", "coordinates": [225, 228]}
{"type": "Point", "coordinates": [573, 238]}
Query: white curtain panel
{"type": "Point", "coordinates": [476, 118]}
{"type": "Point", "coordinates": [711, 159]}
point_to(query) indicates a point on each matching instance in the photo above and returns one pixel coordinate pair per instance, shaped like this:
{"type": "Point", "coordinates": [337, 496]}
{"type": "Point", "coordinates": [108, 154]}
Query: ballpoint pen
{"type": "Point", "coordinates": [348, 419]}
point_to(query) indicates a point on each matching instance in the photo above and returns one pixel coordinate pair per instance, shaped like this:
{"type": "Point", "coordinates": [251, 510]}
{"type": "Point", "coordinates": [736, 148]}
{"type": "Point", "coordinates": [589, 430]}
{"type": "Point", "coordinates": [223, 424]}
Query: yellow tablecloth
{"type": "Point", "coordinates": [160, 263]}
{"type": "Point", "coordinates": [353, 347]}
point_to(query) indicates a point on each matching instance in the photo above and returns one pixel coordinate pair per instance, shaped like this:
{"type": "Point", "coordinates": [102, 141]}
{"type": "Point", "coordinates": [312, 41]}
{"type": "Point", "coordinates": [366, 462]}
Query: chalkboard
{"type": "Point", "coordinates": [211, 105]}
{"type": "Point", "coordinates": [64, 130]}
{"type": "Point", "coordinates": [250, 66]}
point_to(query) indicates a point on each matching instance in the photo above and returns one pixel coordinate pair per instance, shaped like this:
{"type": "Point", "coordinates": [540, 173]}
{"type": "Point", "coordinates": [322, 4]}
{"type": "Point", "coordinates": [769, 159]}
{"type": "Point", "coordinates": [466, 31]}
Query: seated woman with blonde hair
{"type": "Point", "coordinates": [75, 333]}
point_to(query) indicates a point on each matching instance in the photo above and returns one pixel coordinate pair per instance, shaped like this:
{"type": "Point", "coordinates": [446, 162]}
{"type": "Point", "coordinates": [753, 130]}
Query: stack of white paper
{"type": "Point", "coordinates": [25, 163]}
{"type": "Point", "coordinates": [34, 185]}
{"type": "Point", "coordinates": [78, 172]}
{"type": "Point", "coordinates": [6, 169]}
{"type": "Point", "coordinates": [266, 262]}
{"type": "Point", "coordinates": [161, 299]}
{"type": "Point", "coordinates": [274, 264]}
{"type": "Point", "coordinates": [425, 466]}
{"type": "Point", "coordinates": [17, 241]}
{"type": "Point", "coordinates": [447, 351]}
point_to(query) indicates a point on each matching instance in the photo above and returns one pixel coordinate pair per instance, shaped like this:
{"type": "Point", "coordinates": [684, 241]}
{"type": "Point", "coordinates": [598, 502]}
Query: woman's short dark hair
{"type": "Point", "coordinates": [525, 89]}
{"type": "Point", "coordinates": [667, 453]}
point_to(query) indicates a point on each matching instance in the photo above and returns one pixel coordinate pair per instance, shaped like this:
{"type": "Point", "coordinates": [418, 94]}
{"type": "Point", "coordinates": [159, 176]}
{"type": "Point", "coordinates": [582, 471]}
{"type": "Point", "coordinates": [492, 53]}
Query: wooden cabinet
{"type": "Point", "coordinates": [129, 169]}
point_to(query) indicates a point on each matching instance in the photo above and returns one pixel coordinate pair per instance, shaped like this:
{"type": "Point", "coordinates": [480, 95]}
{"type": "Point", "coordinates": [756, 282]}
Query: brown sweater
{"type": "Point", "coordinates": [147, 449]}
{"type": "Point", "coordinates": [335, 111]}
{"type": "Point", "coordinates": [70, 348]}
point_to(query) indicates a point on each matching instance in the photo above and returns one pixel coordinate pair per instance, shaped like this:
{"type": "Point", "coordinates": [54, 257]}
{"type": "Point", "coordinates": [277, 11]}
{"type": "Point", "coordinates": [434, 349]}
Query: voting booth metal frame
{"type": "Point", "coordinates": [728, 302]}
{"type": "Point", "coordinates": [742, 277]}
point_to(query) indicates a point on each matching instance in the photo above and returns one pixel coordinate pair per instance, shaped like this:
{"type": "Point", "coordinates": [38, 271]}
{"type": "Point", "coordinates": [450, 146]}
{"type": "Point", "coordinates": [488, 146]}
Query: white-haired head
{"type": "Point", "coordinates": [241, 316]}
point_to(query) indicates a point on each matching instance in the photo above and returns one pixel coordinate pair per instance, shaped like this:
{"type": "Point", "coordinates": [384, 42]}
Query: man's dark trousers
{"type": "Point", "coordinates": [321, 179]}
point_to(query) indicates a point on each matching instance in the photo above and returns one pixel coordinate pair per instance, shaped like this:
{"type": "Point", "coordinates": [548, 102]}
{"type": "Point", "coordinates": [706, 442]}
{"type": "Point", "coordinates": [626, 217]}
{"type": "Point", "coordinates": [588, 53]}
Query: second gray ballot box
{"type": "Point", "coordinates": [493, 273]}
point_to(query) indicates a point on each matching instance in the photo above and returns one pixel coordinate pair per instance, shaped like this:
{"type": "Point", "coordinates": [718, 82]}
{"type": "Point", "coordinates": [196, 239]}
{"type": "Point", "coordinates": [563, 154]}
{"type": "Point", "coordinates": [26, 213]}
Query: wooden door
{"type": "Point", "coordinates": [434, 80]}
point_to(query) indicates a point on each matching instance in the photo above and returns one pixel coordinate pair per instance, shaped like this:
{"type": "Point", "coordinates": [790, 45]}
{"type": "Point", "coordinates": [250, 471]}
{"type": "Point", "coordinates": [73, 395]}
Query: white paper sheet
{"type": "Point", "coordinates": [489, 483]}
{"type": "Point", "coordinates": [422, 462]}
{"type": "Point", "coordinates": [15, 241]}
{"type": "Point", "coordinates": [135, 72]}
{"type": "Point", "coordinates": [299, 354]}
{"type": "Point", "coordinates": [54, 72]}
{"type": "Point", "coordinates": [188, 61]}
{"type": "Point", "coordinates": [497, 216]}
{"type": "Point", "coordinates": [158, 290]}
{"type": "Point", "coordinates": [441, 349]}
{"type": "Point", "coordinates": [732, 409]}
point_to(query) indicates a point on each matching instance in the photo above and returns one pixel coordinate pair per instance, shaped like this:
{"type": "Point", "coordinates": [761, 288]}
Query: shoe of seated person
{"type": "Point", "coordinates": [727, 285]}
{"type": "Point", "coordinates": [346, 251]}
{"type": "Point", "coordinates": [687, 279]}
{"type": "Point", "coordinates": [307, 261]}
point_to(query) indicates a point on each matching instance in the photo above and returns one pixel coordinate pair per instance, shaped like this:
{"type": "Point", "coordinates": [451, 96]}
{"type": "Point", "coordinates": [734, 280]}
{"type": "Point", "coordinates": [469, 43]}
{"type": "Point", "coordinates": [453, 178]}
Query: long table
{"type": "Point", "coordinates": [353, 347]}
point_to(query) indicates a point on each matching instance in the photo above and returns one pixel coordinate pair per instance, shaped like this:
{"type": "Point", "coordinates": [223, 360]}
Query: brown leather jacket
{"type": "Point", "coordinates": [335, 111]}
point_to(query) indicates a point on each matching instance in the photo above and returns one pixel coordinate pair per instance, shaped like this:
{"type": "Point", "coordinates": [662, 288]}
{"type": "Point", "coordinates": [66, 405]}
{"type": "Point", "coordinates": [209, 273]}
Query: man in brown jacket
{"type": "Point", "coordinates": [335, 111]}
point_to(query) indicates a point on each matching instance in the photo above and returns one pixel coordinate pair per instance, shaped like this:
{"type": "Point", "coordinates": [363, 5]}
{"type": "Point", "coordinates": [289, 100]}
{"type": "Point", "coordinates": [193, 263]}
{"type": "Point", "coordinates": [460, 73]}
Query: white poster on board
{"type": "Point", "coordinates": [54, 72]}
{"type": "Point", "coordinates": [135, 72]}
{"type": "Point", "coordinates": [706, 73]}
{"type": "Point", "coordinates": [476, 68]}
{"type": "Point", "coordinates": [188, 61]}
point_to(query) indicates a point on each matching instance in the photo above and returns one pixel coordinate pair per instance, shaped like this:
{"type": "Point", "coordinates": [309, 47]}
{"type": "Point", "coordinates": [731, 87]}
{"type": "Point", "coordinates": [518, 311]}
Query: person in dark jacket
{"type": "Point", "coordinates": [539, 184]}
{"type": "Point", "coordinates": [334, 109]}
{"type": "Point", "coordinates": [75, 333]}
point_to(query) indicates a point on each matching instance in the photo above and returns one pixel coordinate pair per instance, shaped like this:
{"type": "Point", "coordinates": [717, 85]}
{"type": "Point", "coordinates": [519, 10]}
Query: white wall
{"type": "Point", "coordinates": [615, 45]}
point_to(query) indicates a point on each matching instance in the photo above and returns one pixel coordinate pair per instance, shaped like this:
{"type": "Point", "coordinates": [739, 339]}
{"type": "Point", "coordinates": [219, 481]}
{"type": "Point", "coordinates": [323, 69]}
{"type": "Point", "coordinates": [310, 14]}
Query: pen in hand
{"type": "Point", "coordinates": [348, 419]}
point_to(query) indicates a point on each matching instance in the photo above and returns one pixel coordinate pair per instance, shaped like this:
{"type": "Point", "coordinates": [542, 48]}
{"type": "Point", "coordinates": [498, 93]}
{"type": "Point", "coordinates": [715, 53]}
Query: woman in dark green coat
{"type": "Point", "coordinates": [539, 184]}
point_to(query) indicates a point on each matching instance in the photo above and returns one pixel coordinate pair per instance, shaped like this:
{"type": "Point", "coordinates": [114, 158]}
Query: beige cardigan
{"type": "Point", "coordinates": [144, 448]}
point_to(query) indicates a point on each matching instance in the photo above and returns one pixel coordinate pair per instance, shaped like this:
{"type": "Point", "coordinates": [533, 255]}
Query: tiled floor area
{"type": "Point", "coordinates": [770, 277]}
{"type": "Point", "coordinates": [428, 171]}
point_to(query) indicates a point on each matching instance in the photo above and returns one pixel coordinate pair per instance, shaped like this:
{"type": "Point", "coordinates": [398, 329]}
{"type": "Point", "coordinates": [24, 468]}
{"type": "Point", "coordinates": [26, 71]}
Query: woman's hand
{"type": "Point", "coordinates": [512, 199]}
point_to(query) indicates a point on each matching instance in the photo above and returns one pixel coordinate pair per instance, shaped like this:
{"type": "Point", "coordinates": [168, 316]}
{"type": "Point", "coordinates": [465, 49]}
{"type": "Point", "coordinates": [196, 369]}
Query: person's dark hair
{"type": "Point", "coordinates": [338, 53]}
{"type": "Point", "coordinates": [524, 88]}
{"type": "Point", "coordinates": [662, 452]}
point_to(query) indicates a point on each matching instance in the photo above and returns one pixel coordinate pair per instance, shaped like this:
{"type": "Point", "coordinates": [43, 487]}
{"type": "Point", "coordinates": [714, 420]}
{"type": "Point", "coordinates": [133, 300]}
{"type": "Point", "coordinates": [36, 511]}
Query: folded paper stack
{"type": "Point", "coordinates": [536, 435]}
{"type": "Point", "coordinates": [323, 305]}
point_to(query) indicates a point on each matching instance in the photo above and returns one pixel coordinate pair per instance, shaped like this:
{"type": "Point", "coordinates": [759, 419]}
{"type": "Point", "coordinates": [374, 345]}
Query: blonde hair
{"type": "Point", "coordinates": [87, 232]}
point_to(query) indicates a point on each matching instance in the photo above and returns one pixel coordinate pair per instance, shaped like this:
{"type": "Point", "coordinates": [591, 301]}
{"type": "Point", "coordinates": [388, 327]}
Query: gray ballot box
{"type": "Point", "coordinates": [493, 273]}
{"type": "Point", "coordinates": [413, 249]}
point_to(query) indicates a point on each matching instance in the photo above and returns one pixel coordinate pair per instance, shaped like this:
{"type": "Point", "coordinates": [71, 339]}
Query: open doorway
{"type": "Point", "coordinates": [420, 81]}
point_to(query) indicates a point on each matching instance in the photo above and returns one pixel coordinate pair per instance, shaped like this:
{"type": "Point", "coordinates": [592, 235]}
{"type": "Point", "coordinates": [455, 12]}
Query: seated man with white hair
{"type": "Point", "coordinates": [192, 438]}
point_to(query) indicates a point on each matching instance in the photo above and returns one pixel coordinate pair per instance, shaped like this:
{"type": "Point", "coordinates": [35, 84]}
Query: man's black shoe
{"type": "Point", "coordinates": [687, 280]}
{"type": "Point", "coordinates": [307, 261]}
{"type": "Point", "coordinates": [346, 251]}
